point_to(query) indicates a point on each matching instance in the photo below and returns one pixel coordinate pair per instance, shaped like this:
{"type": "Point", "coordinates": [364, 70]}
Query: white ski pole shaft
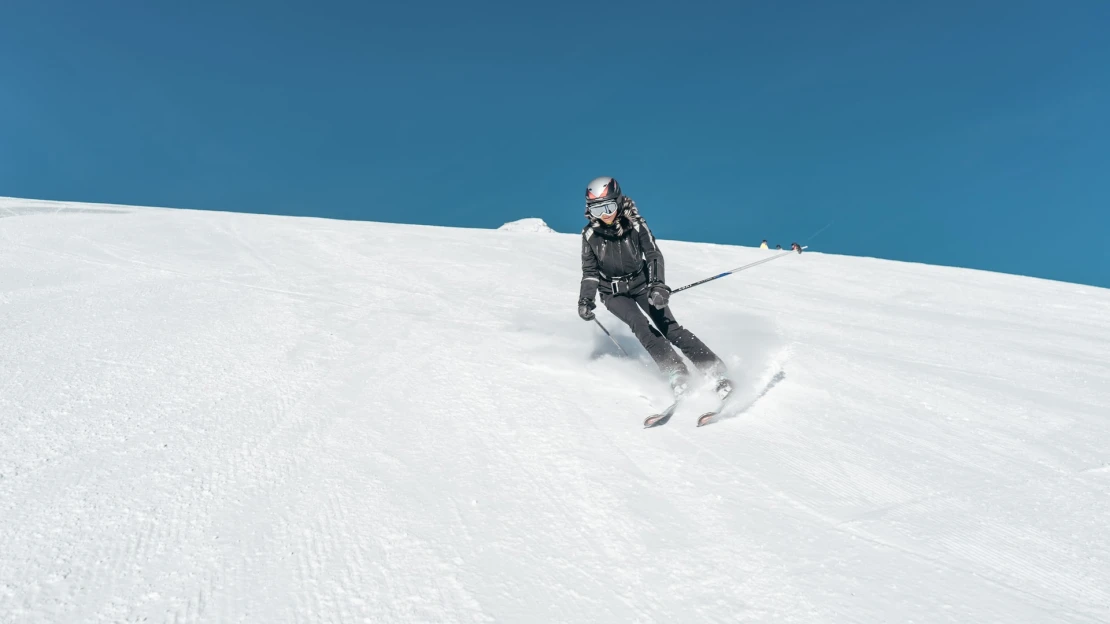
{"type": "Point", "coordinates": [611, 337]}
{"type": "Point", "coordinates": [736, 270]}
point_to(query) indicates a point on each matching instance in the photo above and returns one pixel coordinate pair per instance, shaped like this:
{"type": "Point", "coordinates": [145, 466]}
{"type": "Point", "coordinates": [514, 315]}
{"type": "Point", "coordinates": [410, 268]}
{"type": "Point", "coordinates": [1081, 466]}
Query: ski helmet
{"type": "Point", "coordinates": [602, 188]}
{"type": "Point", "coordinates": [603, 197]}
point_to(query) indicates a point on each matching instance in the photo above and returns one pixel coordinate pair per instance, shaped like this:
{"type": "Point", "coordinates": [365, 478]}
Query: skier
{"type": "Point", "coordinates": [621, 260]}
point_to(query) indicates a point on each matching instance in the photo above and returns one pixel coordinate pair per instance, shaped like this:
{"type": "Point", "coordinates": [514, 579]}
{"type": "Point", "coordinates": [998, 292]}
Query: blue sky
{"type": "Point", "coordinates": [964, 133]}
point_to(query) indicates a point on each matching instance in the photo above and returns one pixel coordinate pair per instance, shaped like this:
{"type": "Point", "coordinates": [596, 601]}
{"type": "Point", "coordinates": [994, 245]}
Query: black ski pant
{"type": "Point", "coordinates": [660, 333]}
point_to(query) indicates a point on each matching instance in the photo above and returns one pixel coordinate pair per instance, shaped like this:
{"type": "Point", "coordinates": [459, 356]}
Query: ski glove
{"type": "Point", "coordinates": [586, 309]}
{"type": "Point", "coordinates": [659, 296]}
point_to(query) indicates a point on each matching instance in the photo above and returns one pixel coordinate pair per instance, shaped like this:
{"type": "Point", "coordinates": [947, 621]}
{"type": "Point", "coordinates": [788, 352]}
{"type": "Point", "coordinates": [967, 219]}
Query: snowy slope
{"type": "Point", "coordinates": [530, 224]}
{"type": "Point", "coordinates": [210, 417]}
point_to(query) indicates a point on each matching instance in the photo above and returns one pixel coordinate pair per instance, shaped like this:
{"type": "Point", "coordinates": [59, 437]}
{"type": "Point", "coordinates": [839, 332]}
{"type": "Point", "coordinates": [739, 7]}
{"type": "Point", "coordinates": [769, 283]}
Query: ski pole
{"type": "Point", "coordinates": [610, 337]}
{"type": "Point", "coordinates": [736, 270]}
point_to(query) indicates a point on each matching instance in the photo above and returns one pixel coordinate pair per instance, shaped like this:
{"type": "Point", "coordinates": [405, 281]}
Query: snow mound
{"type": "Point", "coordinates": [222, 417]}
{"type": "Point", "coordinates": [531, 224]}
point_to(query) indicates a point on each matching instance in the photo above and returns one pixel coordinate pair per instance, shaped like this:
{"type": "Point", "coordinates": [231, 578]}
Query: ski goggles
{"type": "Point", "coordinates": [603, 209]}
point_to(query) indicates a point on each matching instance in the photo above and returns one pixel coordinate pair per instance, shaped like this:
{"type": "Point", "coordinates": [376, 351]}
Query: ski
{"type": "Point", "coordinates": [661, 418]}
{"type": "Point", "coordinates": [711, 416]}
{"type": "Point", "coordinates": [656, 420]}
{"type": "Point", "coordinates": [708, 418]}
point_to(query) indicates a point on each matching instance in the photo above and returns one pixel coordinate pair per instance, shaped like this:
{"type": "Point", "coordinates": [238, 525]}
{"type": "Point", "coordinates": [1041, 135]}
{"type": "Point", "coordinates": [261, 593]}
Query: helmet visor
{"type": "Point", "coordinates": [603, 209]}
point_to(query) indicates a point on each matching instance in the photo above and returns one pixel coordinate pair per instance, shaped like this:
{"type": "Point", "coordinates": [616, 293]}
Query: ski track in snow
{"type": "Point", "coordinates": [228, 417]}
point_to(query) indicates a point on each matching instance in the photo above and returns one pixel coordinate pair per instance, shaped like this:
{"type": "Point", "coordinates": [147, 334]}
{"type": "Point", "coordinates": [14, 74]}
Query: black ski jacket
{"type": "Point", "coordinates": [621, 258]}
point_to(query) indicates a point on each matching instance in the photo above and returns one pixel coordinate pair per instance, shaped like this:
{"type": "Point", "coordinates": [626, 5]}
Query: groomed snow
{"type": "Point", "coordinates": [210, 417]}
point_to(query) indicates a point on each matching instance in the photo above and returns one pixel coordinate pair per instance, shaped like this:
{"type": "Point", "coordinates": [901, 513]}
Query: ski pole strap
{"type": "Point", "coordinates": [736, 270]}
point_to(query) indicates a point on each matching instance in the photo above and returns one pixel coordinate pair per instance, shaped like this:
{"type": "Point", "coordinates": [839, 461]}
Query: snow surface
{"type": "Point", "coordinates": [210, 417]}
{"type": "Point", "coordinates": [531, 224]}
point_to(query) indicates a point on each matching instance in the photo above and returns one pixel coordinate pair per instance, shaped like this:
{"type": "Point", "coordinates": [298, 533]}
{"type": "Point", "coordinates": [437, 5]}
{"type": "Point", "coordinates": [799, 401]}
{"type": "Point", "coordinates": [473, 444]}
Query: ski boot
{"type": "Point", "coordinates": [680, 384]}
{"type": "Point", "coordinates": [718, 374]}
{"type": "Point", "coordinates": [723, 388]}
